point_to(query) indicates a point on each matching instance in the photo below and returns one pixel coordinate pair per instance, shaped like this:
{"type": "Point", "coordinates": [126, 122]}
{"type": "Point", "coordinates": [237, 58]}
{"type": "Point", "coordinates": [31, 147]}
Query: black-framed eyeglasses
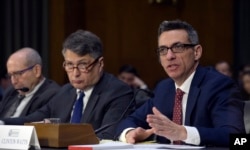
{"type": "Point", "coordinates": [17, 74]}
{"type": "Point", "coordinates": [82, 67]}
{"type": "Point", "coordinates": [175, 48]}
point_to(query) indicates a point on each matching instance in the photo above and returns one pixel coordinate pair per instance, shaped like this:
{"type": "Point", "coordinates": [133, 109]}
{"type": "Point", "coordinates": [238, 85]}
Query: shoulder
{"type": "Point", "coordinates": [210, 75]}
{"type": "Point", "coordinates": [9, 91]}
{"type": "Point", "coordinates": [109, 84]}
{"type": "Point", "coordinates": [50, 82]}
{"type": "Point", "coordinates": [109, 80]}
{"type": "Point", "coordinates": [208, 79]}
{"type": "Point", "coordinates": [168, 82]}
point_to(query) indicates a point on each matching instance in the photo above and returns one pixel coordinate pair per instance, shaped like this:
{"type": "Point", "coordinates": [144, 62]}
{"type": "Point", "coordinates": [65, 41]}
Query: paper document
{"type": "Point", "coordinates": [111, 145]}
{"type": "Point", "coordinates": [165, 146]}
{"type": "Point", "coordinates": [102, 146]}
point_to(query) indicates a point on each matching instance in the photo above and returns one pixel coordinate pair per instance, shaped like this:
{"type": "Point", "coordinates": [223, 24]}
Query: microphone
{"type": "Point", "coordinates": [133, 101]}
{"type": "Point", "coordinates": [24, 89]}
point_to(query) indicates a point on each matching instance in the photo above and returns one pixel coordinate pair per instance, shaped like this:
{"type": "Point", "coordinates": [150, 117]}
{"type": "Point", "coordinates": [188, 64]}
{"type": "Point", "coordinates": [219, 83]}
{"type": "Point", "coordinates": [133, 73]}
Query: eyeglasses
{"type": "Point", "coordinates": [82, 67]}
{"type": "Point", "coordinates": [17, 74]}
{"type": "Point", "coordinates": [175, 48]}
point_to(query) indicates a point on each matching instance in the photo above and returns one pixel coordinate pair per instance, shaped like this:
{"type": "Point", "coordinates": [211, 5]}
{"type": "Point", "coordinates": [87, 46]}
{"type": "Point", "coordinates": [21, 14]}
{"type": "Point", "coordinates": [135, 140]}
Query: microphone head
{"type": "Point", "coordinates": [24, 89]}
{"type": "Point", "coordinates": [147, 92]}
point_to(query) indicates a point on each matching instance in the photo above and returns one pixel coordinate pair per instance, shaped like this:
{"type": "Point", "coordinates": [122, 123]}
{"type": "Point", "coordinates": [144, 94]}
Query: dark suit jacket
{"type": "Point", "coordinates": [47, 90]}
{"type": "Point", "coordinates": [109, 99]}
{"type": "Point", "coordinates": [213, 107]}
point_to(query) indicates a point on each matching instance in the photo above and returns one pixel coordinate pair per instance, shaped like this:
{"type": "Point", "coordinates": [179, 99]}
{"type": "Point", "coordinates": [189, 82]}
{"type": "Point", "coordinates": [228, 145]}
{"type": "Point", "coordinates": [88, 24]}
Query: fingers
{"type": "Point", "coordinates": [163, 126]}
{"type": "Point", "coordinates": [138, 134]}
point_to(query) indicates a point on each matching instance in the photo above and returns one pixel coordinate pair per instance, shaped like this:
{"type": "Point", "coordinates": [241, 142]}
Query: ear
{"type": "Point", "coordinates": [101, 63]}
{"type": "Point", "coordinates": [197, 52]}
{"type": "Point", "coordinates": [38, 70]}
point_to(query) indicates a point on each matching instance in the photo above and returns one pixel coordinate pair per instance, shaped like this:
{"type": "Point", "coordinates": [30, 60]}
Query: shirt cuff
{"type": "Point", "coordinates": [193, 136]}
{"type": "Point", "coordinates": [122, 137]}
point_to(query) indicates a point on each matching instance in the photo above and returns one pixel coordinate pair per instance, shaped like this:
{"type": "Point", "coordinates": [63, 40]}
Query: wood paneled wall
{"type": "Point", "coordinates": [128, 30]}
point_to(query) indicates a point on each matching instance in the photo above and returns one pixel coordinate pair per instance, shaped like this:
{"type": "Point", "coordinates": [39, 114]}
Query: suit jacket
{"type": "Point", "coordinates": [46, 91]}
{"type": "Point", "coordinates": [109, 99]}
{"type": "Point", "coordinates": [213, 107]}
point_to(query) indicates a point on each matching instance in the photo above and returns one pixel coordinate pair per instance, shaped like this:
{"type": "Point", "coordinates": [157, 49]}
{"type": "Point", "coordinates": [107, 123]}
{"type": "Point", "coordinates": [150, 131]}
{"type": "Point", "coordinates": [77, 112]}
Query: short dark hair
{"type": "Point", "coordinates": [178, 24]}
{"type": "Point", "coordinates": [83, 42]}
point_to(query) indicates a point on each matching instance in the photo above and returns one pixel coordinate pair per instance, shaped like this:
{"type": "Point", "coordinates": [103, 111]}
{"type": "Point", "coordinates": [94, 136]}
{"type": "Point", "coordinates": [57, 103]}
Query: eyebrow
{"type": "Point", "coordinates": [79, 61]}
{"type": "Point", "coordinates": [173, 44]}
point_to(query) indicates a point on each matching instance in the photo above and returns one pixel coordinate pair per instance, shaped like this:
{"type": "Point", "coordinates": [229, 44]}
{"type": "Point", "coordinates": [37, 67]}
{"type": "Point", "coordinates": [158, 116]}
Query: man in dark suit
{"type": "Point", "coordinates": [30, 90]}
{"type": "Point", "coordinates": [105, 98]}
{"type": "Point", "coordinates": [205, 111]}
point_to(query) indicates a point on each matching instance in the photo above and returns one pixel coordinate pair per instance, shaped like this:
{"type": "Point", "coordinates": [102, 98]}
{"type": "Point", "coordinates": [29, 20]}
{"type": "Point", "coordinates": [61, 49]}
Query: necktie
{"type": "Point", "coordinates": [78, 107]}
{"type": "Point", "coordinates": [177, 114]}
{"type": "Point", "coordinates": [11, 111]}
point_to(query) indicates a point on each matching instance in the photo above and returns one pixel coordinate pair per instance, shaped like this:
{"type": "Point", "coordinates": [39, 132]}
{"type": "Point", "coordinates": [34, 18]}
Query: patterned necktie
{"type": "Point", "coordinates": [177, 114]}
{"type": "Point", "coordinates": [78, 107]}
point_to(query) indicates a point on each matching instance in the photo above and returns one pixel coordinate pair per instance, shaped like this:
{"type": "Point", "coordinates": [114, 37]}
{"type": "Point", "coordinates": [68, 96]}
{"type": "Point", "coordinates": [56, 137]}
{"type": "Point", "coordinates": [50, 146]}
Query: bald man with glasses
{"type": "Point", "coordinates": [30, 90]}
{"type": "Point", "coordinates": [93, 95]}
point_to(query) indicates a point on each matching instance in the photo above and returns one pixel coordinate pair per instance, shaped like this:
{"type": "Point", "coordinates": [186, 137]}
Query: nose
{"type": "Point", "coordinates": [76, 71]}
{"type": "Point", "coordinates": [170, 55]}
{"type": "Point", "coordinates": [13, 80]}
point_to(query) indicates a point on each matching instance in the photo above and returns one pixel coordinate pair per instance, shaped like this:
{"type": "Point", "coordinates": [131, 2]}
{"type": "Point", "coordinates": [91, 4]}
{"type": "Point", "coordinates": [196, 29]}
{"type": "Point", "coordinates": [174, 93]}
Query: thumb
{"type": "Point", "coordinates": [156, 111]}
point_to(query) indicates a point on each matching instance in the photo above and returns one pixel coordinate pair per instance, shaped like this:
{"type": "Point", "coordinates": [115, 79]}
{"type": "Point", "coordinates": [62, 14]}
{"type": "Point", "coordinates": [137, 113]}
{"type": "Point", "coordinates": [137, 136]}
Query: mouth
{"type": "Point", "coordinates": [76, 81]}
{"type": "Point", "coordinates": [172, 67]}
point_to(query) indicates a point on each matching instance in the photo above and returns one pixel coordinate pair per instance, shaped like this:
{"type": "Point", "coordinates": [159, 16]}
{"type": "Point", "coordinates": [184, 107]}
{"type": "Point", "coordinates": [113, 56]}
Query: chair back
{"type": "Point", "coordinates": [247, 116]}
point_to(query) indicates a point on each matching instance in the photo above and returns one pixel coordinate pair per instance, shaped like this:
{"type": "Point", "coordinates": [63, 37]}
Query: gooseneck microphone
{"type": "Point", "coordinates": [133, 101]}
{"type": "Point", "coordinates": [24, 89]}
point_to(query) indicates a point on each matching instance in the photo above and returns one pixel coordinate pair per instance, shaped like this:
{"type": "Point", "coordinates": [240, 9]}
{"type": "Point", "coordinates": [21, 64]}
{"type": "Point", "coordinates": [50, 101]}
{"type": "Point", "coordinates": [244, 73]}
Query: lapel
{"type": "Point", "coordinates": [194, 93]}
{"type": "Point", "coordinates": [68, 101]}
{"type": "Point", "coordinates": [169, 99]}
{"type": "Point", "coordinates": [8, 101]}
{"type": "Point", "coordinates": [93, 99]}
{"type": "Point", "coordinates": [34, 98]}
{"type": "Point", "coordinates": [92, 102]}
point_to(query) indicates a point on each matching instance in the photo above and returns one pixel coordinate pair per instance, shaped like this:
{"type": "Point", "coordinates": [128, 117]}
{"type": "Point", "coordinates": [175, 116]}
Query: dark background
{"type": "Point", "coordinates": [128, 29]}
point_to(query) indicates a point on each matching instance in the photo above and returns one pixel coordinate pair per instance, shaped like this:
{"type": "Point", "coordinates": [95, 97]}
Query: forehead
{"type": "Point", "coordinates": [73, 57]}
{"type": "Point", "coordinates": [15, 63]}
{"type": "Point", "coordinates": [167, 38]}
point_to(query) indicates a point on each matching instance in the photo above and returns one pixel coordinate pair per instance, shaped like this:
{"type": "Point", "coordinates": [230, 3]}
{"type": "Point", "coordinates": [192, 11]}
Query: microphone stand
{"type": "Point", "coordinates": [133, 101]}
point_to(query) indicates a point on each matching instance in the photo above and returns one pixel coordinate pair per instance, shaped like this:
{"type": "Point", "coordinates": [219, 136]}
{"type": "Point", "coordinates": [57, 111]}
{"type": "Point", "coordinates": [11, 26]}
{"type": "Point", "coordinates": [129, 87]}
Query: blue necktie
{"type": "Point", "coordinates": [77, 113]}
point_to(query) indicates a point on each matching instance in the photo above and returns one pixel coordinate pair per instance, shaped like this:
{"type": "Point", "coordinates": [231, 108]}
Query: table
{"type": "Point", "coordinates": [207, 148]}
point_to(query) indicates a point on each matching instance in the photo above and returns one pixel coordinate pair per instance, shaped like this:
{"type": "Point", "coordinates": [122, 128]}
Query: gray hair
{"type": "Point", "coordinates": [83, 42]}
{"type": "Point", "coordinates": [178, 24]}
{"type": "Point", "coordinates": [31, 55]}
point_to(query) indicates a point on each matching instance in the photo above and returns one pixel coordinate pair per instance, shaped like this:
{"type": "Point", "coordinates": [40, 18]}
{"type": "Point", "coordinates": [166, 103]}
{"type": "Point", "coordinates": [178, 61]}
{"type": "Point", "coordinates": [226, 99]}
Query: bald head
{"type": "Point", "coordinates": [27, 56]}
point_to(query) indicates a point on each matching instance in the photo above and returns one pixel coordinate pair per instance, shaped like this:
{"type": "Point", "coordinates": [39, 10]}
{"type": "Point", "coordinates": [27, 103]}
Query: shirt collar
{"type": "Point", "coordinates": [187, 83]}
{"type": "Point", "coordinates": [36, 88]}
{"type": "Point", "coordinates": [86, 92]}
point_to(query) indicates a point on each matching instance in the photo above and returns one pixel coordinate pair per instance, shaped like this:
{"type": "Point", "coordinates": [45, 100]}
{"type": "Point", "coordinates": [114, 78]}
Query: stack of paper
{"type": "Point", "coordinates": [112, 145]}
{"type": "Point", "coordinates": [102, 146]}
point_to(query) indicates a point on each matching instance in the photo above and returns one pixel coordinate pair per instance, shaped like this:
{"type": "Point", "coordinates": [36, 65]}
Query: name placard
{"type": "Point", "coordinates": [18, 137]}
